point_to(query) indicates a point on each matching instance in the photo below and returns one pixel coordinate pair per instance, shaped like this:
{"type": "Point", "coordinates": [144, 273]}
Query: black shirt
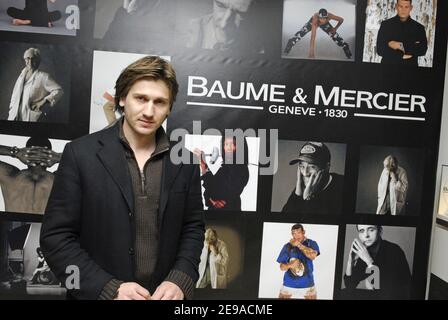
{"type": "Point", "coordinates": [411, 33]}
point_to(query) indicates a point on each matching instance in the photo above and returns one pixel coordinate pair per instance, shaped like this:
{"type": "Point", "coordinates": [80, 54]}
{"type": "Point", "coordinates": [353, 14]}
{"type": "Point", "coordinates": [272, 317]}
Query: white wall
{"type": "Point", "coordinates": [439, 253]}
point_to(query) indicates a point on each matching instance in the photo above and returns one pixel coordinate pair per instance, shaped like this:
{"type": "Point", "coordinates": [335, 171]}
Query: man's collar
{"type": "Point", "coordinates": [162, 141]}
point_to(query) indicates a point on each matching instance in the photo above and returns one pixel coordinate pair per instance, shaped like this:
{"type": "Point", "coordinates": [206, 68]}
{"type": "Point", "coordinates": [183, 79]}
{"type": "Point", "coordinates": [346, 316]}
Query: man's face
{"type": "Point", "coordinates": [227, 17]}
{"type": "Point", "coordinates": [229, 146]}
{"type": "Point", "coordinates": [146, 106]}
{"type": "Point", "coordinates": [30, 61]}
{"type": "Point", "coordinates": [298, 234]}
{"type": "Point", "coordinates": [307, 169]}
{"type": "Point", "coordinates": [390, 164]}
{"type": "Point", "coordinates": [403, 9]}
{"type": "Point", "coordinates": [210, 236]}
{"type": "Point", "coordinates": [368, 234]}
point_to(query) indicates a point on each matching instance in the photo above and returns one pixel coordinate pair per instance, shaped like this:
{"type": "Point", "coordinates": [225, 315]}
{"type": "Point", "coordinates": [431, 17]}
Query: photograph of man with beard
{"type": "Point", "coordinates": [317, 190]}
{"type": "Point", "coordinates": [390, 181]}
{"type": "Point", "coordinates": [296, 260]}
{"type": "Point", "coordinates": [377, 265]}
{"type": "Point", "coordinates": [214, 262]}
{"type": "Point", "coordinates": [392, 188]}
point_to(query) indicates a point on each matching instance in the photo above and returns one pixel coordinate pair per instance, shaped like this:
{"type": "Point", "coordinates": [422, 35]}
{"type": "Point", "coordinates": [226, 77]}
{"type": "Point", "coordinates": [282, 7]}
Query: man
{"type": "Point", "coordinates": [392, 188]}
{"type": "Point", "coordinates": [34, 90]}
{"type": "Point", "coordinates": [296, 259]}
{"type": "Point", "coordinates": [120, 210]}
{"type": "Point", "coordinates": [27, 190]}
{"type": "Point", "coordinates": [214, 261]}
{"type": "Point", "coordinates": [371, 252]}
{"type": "Point", "coordinates": [401, 40]}
{"type": "Point", "coordinates": [322, 20]}
{"type": "Point", "coordinates": [317, 190]}
{"type": "Point", "coordinates": [219, 30]}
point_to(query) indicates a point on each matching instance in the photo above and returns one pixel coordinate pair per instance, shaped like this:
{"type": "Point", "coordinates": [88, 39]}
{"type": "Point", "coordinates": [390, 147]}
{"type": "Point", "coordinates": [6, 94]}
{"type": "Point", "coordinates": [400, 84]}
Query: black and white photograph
{"type": "Point", "coordinates": [27, 167]}
{"type": "Point", "coordinates": [390, 181]}
{"type": "Point", "coordinates": [400, 32]}
{"type": "Point", "coordinates": [35, 82]}
{"type": "Point", "coordinates": [319, 29]}
{"type": "Point", "coordinates": [309, 177]}
{"type": "Point", "coordinates": [298, 261]}
{"type": "Point", "coordinates": [107, 66]}
{"type": "Point", "coordinates": [222, 258]}
{"type": "Point", "coordinates": [235, 25]}
{"type": "Point", "coordinates": [229, 177]}
{"type": "Point", "coordinates": [378, 262]}
{"type": "Point", "coordinates": [24, 271]}
{"type": "Point", "coordinates": [58, 17]}
{"type": "Point", "coordinates": [443, 195]}
{"type": "Point", "coordinates": [151, 21]}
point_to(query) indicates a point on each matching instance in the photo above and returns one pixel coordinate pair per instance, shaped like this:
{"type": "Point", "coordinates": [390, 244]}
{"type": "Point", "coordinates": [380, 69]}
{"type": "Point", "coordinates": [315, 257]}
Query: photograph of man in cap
{"type": "Point", "coordinates": [320, 19]}
{"type": "Point", "coordinates": [317, 189]}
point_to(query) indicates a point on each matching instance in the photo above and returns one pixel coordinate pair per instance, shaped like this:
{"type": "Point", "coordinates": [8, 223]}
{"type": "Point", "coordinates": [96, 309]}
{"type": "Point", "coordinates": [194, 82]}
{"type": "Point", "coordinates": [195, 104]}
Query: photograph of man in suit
{"type": "Point", "coordinates": [120, 210]}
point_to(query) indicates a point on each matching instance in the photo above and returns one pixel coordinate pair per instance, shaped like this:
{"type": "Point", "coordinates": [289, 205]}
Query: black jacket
{"type": "Point", "coordinates": [411, 33]}
{"type": "Point", "coordinates": [89, 221]}
{"type": "Point", "coordinates": [394, 277]}
{"type": "Point", "coordinates": [327, 201]}
{"type": "Point", "coordinates": [227, 184]}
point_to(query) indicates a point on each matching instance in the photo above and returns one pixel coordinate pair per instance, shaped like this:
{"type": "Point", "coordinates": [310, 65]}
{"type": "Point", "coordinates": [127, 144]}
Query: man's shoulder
{"type": "Point", "coordinates": [390, 21]}
{"type": "Point", "coordinates": [337, 179]}
{"type": "Point", "coordinates": [390, 246]}
{"type": "Point", "coordinates": [417, 24]}
{"type": "Point", "coordinates": [311, 242]}
{"type": "Point", "coordinates": [92, 139]}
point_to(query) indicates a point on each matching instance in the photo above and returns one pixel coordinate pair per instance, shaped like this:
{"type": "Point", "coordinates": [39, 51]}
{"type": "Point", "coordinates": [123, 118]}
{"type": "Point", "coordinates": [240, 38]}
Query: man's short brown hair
{"type": "Point", "coordinates": [148, 68]}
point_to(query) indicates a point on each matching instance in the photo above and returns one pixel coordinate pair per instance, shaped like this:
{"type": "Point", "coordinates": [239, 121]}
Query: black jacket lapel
{"type": "Point", "coordinates": [113, 158]}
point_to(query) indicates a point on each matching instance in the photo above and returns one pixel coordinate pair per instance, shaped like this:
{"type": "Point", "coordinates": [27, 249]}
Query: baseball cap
{"type": "Point", "coordinates": [313, 152]}
{"type": "Point", "coordinates": [323, 13]}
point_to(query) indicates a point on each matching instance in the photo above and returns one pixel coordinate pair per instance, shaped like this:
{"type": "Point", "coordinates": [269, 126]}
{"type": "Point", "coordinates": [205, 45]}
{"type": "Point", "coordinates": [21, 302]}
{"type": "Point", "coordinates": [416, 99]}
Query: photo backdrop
{"type": "Point", "coordinates": [237, 77]}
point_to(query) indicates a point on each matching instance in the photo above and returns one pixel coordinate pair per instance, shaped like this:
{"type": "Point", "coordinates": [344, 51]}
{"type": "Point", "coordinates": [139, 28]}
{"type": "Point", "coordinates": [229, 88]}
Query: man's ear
{"type": "Point", "coordinates": [122, 102]}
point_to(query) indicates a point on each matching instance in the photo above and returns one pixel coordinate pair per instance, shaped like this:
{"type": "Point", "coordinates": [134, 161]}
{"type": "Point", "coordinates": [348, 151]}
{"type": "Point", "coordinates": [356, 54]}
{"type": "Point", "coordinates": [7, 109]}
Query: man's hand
{"type": "Point", "coordinates": [132, 291]}
{"type": "Point", "coordinates": [407, 56]}
{"type": "Point", "coordinates": [312, 185]}
{"type": "Point", "coordinates": [33, 156]}
{"type": "Point", "coordinates": [396, 45]}
{"type": "Point", "coordinates": [218, 204]}
{"type": "Point", "coordinates": [201, 157]}
{"type": "Point", "coordinates": [38, 105]}
{"type": "Point", "coordinates": [393, 176]}
{"type": "Point", "coordinates": [213, 249]}
{"type": "Point", "coordinates": [361, 251]}
{"type": "Point", "coordinates": [168, 291]}
{"type": "Point", "coordinates": [296, 243]}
